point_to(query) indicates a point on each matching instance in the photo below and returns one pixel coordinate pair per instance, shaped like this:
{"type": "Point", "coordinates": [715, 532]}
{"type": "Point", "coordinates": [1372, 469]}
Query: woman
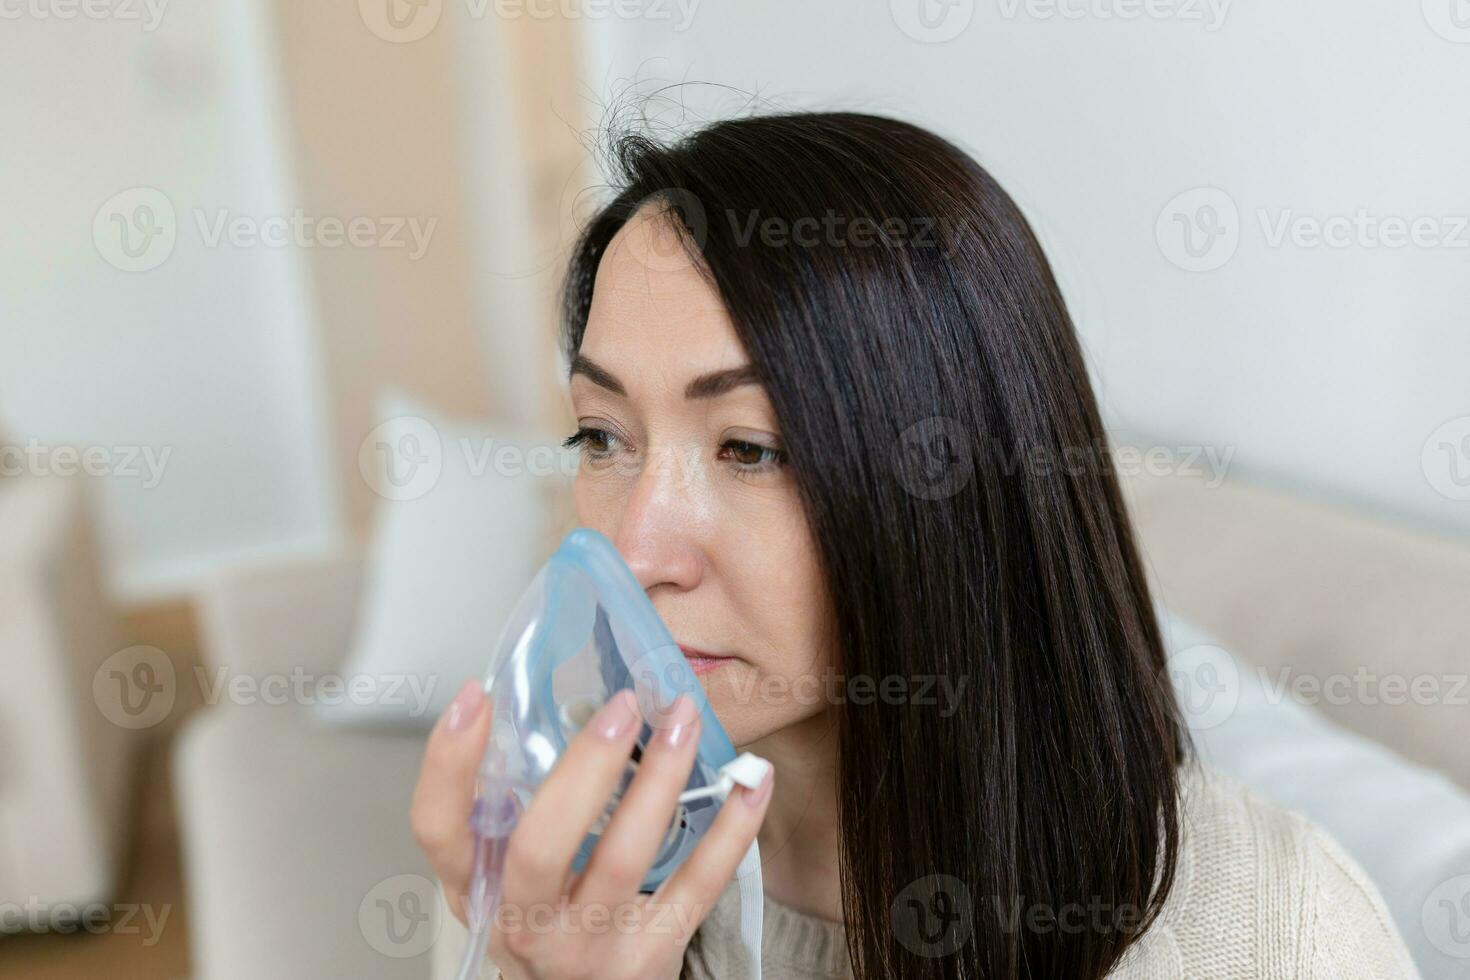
{"type": "Point", "coordinates": [834, 415]}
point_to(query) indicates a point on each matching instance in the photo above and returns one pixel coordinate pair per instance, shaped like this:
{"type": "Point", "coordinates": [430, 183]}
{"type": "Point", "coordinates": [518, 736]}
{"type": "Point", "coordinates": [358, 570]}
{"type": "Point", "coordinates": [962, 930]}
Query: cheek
{"type": "Point", "coordinates": [781, 592]}
{"type": "Point", "coordinates": [778, 592]}
{"type": "Point", "coordinates": [598, 502]}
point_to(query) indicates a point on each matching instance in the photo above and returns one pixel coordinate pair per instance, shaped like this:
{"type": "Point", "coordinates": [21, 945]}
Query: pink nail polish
{"type": "Point", "coordinates": [616, 718]}
{"type": "Point", "coordinates": [753, 798]}
{"type": "Point", "coordinates": [682, 720]}
{"type": "Point", "coordinates": [465, 707]}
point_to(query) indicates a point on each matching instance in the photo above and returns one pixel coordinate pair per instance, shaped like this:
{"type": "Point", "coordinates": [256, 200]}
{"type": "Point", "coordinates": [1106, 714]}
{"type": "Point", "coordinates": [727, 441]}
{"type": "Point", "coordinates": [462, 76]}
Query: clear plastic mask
{"type": "Point", "coordinates": [583, 630]}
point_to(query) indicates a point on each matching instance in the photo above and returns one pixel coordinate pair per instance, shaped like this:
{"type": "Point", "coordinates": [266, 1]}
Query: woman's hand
{"type": "Point", "coordinates": [554, 925]}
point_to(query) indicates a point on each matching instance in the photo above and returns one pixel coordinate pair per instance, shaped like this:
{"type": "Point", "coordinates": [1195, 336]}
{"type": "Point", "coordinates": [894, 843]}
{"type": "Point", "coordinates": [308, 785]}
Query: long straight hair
{"type": "Point", "coordinates": [950, 458]}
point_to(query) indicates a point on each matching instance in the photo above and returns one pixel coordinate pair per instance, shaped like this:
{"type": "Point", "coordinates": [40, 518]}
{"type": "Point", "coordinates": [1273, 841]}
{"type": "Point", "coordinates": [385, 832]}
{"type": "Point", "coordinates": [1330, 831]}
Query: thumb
{"type": "Point", "coordinates": [445, 793]}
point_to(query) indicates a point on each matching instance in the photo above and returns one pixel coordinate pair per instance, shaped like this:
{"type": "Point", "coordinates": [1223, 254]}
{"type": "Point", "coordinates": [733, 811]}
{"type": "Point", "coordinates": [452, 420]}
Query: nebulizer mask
{"type": "Point", "coordinates": [583, 630]}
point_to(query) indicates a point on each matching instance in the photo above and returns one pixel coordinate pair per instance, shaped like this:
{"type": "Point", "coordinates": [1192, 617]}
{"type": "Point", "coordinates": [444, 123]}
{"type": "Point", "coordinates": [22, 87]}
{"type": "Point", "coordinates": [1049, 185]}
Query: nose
{"type": "Point", "coordinates": [659, 533]}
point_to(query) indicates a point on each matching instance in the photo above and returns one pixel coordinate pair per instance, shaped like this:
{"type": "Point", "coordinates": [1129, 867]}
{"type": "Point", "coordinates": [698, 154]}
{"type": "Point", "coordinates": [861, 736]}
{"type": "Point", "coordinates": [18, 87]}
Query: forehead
{"type": "Point", "coordinates": [651, 305]}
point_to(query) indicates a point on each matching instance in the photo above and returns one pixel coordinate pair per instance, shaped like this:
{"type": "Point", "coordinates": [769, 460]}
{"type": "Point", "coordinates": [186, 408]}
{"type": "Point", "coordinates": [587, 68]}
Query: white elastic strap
{"type": "Point", "coordinates": [752, 907]}
{"type": "Point", "coordinates": [747, 770]}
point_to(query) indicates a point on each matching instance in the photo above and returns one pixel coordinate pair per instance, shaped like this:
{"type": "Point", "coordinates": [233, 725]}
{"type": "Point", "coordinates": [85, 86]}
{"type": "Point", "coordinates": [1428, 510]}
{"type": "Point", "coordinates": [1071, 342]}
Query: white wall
{"type": "Point", "coordinates": [208, 356]}
{"type": "Point", "coordinates": [1324, 368]}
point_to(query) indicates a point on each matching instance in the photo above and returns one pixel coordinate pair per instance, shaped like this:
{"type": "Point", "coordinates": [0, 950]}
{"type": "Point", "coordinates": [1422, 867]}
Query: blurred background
{"type": "Point", "coordinates": [280, 402]}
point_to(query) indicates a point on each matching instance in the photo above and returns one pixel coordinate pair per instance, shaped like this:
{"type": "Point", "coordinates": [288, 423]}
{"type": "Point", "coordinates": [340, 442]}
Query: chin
{"type": "Point", "coordinates": [745, 719]}
{"type": "Point", "coordinates": [743, 722]}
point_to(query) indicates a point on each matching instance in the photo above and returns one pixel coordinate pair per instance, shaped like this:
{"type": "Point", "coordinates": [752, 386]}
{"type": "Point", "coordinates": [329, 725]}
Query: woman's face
{"type": "Point", "coordinates": [683, 470]}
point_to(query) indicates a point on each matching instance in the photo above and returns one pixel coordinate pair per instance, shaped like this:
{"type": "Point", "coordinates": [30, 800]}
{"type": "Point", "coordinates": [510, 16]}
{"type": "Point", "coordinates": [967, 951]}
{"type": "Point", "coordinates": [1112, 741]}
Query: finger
{"type": "Point", "coordinates": [574, 794]}
{"type": "Point", "coordinates": [642, 819]}
{"type": "Point", "coordinates": [698, 882]}
{"type": "Point", "coordinates": [445, 793]}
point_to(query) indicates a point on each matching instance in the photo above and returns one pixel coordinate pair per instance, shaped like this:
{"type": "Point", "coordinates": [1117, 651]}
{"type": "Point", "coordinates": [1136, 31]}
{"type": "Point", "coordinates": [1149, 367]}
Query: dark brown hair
{"type": "Point", "coordinates": [947, 447]}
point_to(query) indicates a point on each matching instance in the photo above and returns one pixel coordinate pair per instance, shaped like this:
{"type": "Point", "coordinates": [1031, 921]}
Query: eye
{"type": "Point", "coordinates": [595, 443]}
{"type": "Point", "coordinates": [751, 456]}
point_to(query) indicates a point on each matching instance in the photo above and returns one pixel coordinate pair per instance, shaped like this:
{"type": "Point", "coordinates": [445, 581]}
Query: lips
{"type": "Point", "coordinates": [702, 662]}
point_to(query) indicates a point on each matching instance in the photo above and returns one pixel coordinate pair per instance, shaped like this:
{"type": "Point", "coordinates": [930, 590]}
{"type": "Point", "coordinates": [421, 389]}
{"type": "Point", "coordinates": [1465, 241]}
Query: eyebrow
{"type": "Point", "coordinates": [710, 385]}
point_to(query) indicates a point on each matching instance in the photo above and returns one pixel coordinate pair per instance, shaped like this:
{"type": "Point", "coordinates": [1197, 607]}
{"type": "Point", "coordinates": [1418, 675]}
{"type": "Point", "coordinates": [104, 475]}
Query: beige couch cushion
{"type": "Point", "coordinates": [65, 765]}
{"type": "Point", "coordinates": [301, 861]}
{"type": "Point", "coordinates": [1361, 619]}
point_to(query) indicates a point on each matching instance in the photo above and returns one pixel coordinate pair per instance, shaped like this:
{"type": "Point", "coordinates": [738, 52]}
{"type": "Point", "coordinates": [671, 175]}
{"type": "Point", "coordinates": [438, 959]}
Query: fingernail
{"type": "Point", "coordinates": [465, 707]}
{"type": "Point", "coordinates": [682, 719]}
{"type": "Point", "coordinates": [616, 718]}
{"type": "Point", "coordinates": [753, 798]}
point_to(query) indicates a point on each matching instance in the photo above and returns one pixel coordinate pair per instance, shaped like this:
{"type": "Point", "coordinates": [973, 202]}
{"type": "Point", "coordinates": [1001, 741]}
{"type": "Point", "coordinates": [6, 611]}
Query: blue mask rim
{"type": "Point", "coordinates": [592, 553]}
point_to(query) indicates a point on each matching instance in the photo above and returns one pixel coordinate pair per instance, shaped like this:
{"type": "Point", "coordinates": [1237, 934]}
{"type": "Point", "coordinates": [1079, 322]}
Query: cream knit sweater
{"type": "Point", "coordinates": [1261, 894]}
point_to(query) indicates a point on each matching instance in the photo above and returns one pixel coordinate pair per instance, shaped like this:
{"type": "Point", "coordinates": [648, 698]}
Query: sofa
{"type": "Point", "coordinates": [68, 750]}
{"type": "Point", "coordinates": [300, 861]}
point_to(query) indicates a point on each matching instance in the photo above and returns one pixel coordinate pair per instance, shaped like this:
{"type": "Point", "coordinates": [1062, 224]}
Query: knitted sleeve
{"type": "Point", "coordinates": [1352, 933]}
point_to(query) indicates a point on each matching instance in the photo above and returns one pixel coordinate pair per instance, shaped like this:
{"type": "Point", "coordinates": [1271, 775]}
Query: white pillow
{"type": "Point", "coordinates": [1408, 827]}
{"type": "Point", "coordinates": [465, 517]}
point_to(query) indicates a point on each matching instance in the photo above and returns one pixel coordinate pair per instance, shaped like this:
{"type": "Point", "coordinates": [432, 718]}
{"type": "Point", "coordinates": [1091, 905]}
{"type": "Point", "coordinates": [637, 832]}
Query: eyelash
{"type": "Point", "coordinates": [770, 457]}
